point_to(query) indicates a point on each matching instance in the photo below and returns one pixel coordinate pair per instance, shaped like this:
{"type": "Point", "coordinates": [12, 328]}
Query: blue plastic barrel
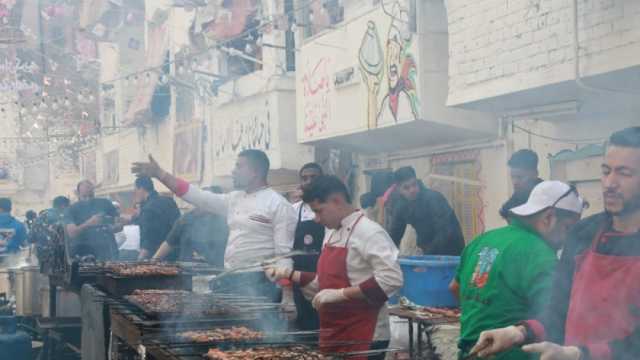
{"type": "Point", "coordinates": [427, 279]}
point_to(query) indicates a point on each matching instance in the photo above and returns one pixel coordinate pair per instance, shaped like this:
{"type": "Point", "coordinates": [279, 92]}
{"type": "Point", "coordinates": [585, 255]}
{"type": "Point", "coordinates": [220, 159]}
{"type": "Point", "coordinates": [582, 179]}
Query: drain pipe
{"type": "Point", "coordinates": [576, 53]}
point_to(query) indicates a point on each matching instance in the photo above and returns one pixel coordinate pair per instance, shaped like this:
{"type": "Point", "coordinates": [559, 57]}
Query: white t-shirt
{"type": "Point", "coordinates": [131, 235]}
{"type": "Point", "coordinates": [261, 224]}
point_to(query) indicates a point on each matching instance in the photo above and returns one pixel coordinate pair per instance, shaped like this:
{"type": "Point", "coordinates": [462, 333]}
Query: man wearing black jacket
{"type": "Point", "coordinates": [157, 216]}
{"type": "Point", "coordinates": [594, 312]}
{"type": "Point", "coordinates": [523, 170]}
{"type": "Point", "coordinates": [429, 213]}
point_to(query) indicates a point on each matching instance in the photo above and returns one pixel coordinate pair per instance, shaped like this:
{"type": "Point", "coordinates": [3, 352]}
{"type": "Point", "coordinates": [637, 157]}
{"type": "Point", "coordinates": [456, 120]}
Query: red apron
{"type": "Point", "coordinates": [347, 326]}
{"type": "Point", "coordinates": [605, 297]}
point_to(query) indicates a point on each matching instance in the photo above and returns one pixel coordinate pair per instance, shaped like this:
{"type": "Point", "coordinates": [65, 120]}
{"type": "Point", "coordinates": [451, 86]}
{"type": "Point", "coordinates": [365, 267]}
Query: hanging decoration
{"type": "Point", "coordinates": [49, 90]}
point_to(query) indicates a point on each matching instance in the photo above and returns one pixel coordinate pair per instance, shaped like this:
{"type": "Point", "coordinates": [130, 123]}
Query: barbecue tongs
{"type": "Point", "coordinates": [263, 263]}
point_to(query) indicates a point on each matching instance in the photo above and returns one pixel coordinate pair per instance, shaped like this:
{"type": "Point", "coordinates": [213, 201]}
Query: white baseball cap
{"type": "Point", "coordinates": [550, 194]}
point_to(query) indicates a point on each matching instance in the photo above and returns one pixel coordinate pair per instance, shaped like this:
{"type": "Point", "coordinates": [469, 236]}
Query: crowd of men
{"type": "Point", "coordinates": [517, 295]}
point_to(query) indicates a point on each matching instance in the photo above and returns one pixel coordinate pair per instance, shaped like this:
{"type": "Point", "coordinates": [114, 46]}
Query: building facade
{"type": "Point", "coordinates": [451, 87]}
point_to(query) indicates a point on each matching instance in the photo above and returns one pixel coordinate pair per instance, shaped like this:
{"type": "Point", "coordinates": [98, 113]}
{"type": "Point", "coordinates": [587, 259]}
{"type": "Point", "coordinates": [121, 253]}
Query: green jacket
{"type": "Point", "coordinates": [505, 276]}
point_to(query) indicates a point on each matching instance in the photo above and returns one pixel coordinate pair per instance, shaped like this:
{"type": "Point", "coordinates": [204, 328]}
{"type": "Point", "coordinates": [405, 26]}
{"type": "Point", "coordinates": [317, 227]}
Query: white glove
{"type": "Point", "coordinates": [275, 274]}
{"type": "Point", "coordinates": [328, 296]}
{"type": "Point", "coordinates": [551, 351]}
{"type": "Point", "coordinates": [495, 341]}
{"type": "Point", "coordinates": [288, 305]}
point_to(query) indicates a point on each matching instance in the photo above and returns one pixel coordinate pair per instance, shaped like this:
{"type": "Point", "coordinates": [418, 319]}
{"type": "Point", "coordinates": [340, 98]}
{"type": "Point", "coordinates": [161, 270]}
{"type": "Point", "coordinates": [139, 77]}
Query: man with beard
{"type": "Point", "coordinates": [91, 224]}
{"type": "Point", "coordinates": [261, 221]}
{"type": "Point", "coordinates": [523, 170]}
{"type": "Point", "coordinates": [595, 301]}
{"type": "Point", "coordinates": [429, 213]}
{"type": "Point", "coordinates": [505, 275]}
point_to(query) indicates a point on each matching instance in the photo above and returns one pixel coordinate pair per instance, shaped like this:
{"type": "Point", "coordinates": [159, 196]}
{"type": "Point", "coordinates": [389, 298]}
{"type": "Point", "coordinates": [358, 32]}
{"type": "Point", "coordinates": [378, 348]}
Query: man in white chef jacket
{"type": "Point", "coordinates": [261, 221]}
{"type": "Point", "coordinates": [357, 272]}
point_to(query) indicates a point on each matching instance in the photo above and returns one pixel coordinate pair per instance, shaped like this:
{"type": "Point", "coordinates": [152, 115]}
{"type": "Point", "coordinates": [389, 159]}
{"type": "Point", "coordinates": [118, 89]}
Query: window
{"type": "Point", "coordinates": [457, 177]}
{"type": "Point", "coordinates": [320, 15]}
{"type": "Point", "coordinates": [109, 116]}
{"type": "Point", "coordinates": [185, 103]}
{"type": "Point", "coordinates": [88, 166]}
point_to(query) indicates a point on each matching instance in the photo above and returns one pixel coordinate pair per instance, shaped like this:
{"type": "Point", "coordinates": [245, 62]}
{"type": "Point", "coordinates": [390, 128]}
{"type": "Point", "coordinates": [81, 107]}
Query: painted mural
{"type": "Point", "coordinates": [372, 64]}
{"type": "Point", "coordinates": [250, 131]}
{"type": "Point", "coordinates": [316, 85]}
{"type": "Point", "coordinates": [400, 98]}
{"type": "Point", "coordinates": [397, 70]}
{"type": "Point", "coordinates": [382, 48]}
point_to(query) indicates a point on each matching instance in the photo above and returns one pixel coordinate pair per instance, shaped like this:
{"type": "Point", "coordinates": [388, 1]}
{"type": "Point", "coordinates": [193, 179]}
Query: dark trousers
{"type": "Point", "coordinates": [378, 345]}
{"type": "Point", "coordinates": [307, 319]}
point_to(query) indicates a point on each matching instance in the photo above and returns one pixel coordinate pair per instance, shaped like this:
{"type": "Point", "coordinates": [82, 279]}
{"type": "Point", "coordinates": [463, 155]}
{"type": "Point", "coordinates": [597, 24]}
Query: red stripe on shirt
{"type": "Point", "coordinates": [536, 327]}
{"type": "Point", "coordinates": [182, 187]}
{"type": "Point", "coordinates": [372, 290]}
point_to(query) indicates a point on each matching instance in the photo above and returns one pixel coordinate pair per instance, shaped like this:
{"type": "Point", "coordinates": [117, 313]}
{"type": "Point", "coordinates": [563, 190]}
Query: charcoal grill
{"type": "Point", "coordinates": [156, 338]}
{"type": "Point", "coordinates": [118, 285]}
{"type": "Point", "coordinates": [132, 325]}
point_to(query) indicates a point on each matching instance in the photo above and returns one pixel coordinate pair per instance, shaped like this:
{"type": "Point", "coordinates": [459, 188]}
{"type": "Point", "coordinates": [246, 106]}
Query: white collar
{"type": "Point", "coordinates": [349, 221]}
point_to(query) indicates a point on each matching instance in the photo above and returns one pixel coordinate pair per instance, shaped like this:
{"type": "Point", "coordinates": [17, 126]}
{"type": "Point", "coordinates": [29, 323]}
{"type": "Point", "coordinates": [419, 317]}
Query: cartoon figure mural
{"type": "Point", "coordinates": [387, 61]}
{"type": "Point", "coordinates": [401, 98]}
{"type": "Point", "coordinates": [372, 69]}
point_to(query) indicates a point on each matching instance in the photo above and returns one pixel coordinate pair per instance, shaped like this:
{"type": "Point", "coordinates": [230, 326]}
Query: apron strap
{"type": "Point", "coordinates": [346, 244]}
{"type": "Point", "coordinates": [300, 213]}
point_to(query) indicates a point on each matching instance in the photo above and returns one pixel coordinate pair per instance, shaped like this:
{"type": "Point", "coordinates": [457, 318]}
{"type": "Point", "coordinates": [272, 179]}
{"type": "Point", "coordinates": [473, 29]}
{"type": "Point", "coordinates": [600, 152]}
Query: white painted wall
{"type": "Point", "coordinates": [503, 46]}
{"type": "Point", "coordinates": [596, 130]}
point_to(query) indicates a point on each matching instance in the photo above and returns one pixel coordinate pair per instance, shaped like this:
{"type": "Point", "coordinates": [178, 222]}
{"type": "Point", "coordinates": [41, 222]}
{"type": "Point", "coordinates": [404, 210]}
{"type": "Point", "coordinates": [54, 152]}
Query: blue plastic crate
{"type": "Point", "coordinates": [427, 279]}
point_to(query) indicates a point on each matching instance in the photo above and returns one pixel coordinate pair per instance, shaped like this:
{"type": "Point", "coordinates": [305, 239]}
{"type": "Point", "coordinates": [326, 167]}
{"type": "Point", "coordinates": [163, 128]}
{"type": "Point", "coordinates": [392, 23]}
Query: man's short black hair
{"type": "Point", "coordinates": [31, 214]}
{"type": "Point", "coordinates": [83, 182]}
{"type": "Point", "coordinates": [311, 165]}
{"type": "Point", "coordinates": [145, 183]}
{"type": "Point", "coordinates": [6, 205]}
{"type": "Point", "coordinates": [324, 186]}
{"type": "Point", "coordinates": [259, 161]}
{"type": "Point", "coordinates": [403, 174]}
{"type": "Point", "coordinates": [524, 159]}
{"type": "Point", "coordinates": [61, 201]}
{"type": "Point", "coordinates": [629, 137]}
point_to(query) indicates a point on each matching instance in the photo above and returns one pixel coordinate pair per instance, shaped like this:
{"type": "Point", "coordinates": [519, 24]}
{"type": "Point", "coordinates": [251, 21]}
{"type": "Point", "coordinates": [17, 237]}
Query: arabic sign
{"type": "Point", "coordinates": [16, 75]}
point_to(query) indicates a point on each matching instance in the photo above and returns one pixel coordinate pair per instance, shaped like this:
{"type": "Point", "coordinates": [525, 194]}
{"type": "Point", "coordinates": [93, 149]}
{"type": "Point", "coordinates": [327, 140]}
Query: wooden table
{"type": "Point", "coordinates": [425, 324]}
